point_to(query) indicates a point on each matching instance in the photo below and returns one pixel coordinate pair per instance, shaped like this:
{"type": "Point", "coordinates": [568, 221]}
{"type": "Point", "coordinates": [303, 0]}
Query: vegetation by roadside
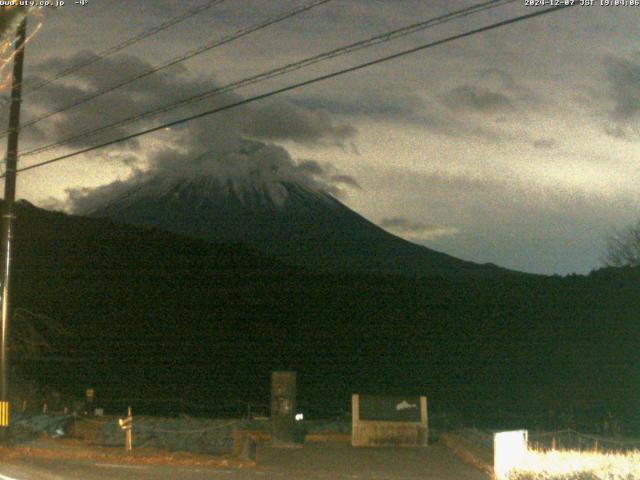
{"type": "Point", "coordinates": [578, 465]}
{"type": "Point", "coordinates": [73, 449]}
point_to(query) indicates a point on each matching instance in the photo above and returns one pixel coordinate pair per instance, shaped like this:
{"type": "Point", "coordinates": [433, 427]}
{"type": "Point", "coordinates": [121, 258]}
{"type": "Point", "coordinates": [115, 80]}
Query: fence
{"type": "Point", "coordinates": [566, 439]}
{"type": "Point", "coordinates": [182, 433]}
{"type": "Point", "coordinates": [239, 409]}
{"type": "Point", "coordinates": [480, 438]}
{"type": "Point", "coordinates": [570, 439]}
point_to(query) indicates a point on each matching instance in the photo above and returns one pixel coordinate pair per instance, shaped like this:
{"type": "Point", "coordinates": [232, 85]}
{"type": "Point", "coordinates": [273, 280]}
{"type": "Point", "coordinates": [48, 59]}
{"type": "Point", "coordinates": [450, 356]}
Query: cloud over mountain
{"type": "Point", "coordinates": [227, 145]}
{"type": "Point", "coordinates": [247, 162]}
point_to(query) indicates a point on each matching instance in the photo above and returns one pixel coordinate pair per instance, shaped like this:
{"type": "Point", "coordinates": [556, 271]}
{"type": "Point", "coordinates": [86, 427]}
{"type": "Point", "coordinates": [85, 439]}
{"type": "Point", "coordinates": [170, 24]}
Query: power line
{"type": "Point", "coordinates": [126, 43]}
{"type": "Point", "coordinates": [279, 71]}
{"type": "Point", "coordinates": [305, 83]}
{"type": "Point", "coordinates": [176, 60]}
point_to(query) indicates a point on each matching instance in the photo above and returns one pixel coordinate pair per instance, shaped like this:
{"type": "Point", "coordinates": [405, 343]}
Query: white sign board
{"type": "Point", "coordinates": [509, 450]}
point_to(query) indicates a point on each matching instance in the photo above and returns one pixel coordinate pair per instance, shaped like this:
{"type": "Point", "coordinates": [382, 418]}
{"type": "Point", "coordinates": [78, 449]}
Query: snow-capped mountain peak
{"type": "Point", "coordinates": [298, 223]}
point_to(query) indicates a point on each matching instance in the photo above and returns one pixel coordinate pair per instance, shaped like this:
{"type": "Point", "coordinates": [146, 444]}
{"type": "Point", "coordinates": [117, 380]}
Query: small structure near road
{"type": "Point", "coordinates": [283, 408]}
{"type": "Point", "coordinates": [389, 421]}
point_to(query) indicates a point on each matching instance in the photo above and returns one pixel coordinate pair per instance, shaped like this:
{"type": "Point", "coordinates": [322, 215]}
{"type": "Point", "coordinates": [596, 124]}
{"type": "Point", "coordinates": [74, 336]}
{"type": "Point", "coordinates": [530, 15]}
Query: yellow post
{"type": "Point", "coordinates": [4, 414]}
{"type": "Point", "coordinates": [129, 432]}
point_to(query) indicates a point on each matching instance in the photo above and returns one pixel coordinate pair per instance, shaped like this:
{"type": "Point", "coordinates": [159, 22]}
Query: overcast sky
{"type": "Point", "coordinates": [517, 146]}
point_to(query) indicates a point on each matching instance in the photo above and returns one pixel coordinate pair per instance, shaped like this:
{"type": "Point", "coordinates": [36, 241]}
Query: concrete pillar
{"type": "Point", "coordinates": [283, 408]}
{"type": "Point", "coordinates": [423, 429]}
{"type": "Point", "coordinates": [355, 420]}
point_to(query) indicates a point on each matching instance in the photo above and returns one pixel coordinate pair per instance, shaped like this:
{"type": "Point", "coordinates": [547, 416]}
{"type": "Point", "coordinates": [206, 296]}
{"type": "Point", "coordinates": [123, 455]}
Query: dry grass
{"type": "Point", "coordinates": [578, 465]}
{"type": "Point", "coordinates": [75, 449]}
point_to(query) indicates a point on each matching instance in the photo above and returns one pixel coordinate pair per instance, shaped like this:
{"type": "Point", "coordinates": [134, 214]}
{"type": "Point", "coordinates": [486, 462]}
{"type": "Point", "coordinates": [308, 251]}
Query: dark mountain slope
{"type": "Point", "coordinates": [297, 224]}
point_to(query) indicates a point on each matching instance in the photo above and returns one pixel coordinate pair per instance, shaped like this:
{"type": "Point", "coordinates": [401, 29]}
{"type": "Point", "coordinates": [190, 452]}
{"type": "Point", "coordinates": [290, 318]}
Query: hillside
{"type": "Point", "coordinates": [155, 315]}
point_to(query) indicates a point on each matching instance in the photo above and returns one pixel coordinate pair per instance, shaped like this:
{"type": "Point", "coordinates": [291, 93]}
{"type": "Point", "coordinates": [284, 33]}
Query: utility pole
{"type": "Point", "coordinates": [7, 222]}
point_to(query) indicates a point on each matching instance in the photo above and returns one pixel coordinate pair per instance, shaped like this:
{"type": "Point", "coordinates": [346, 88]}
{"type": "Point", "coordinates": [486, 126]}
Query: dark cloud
{"type": "Point", "coordinates": [404, 226]}
{"type": "Point", "coordinates": [620, 132]}
{"type": "Point", "coordinates": [100, 75]}
{"type": "Point", "coordinates": [493, 92]}
{"type": "Point", "coordinates": [545, 143]}
{"type": "Point", "coordinates": [275, 121]}
{"type": "Point", "coordinates": [500, 78]}
{"type": "Point", "coordinates": [386, 105]}
{"type": "Point", "coordinates": [287, 121]}
{"type": "Point", "coordinates": [311, 166]}
{"type": "Point", "coordinates": [135, 98]}
{"type": "Point", "coordinates": [624, 78]}
{"type": "Point", "coordinates": [347, 180]}
{"type": "Point", "coordinates": [401, 223]}
{"type": "Point", "coordinates": [489, 92]}
{"type": "Point", "coordinates": [402, 108]}
{"type": "Point", "coordinates": [477, 99]}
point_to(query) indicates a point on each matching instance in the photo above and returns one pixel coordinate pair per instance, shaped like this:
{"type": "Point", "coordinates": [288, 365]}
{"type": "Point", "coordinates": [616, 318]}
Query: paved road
{"type": "Point", "coordinates": [313, 462]}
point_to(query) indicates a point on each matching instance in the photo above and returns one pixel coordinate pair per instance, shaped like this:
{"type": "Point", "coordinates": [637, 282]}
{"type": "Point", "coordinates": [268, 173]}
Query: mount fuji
{"type": "Point", "coordinates": [299, 224]}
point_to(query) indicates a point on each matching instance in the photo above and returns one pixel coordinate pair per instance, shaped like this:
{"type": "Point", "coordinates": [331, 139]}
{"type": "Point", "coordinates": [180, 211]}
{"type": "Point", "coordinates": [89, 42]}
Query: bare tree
{"type": "Point", "coordinates": [623, 248]}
